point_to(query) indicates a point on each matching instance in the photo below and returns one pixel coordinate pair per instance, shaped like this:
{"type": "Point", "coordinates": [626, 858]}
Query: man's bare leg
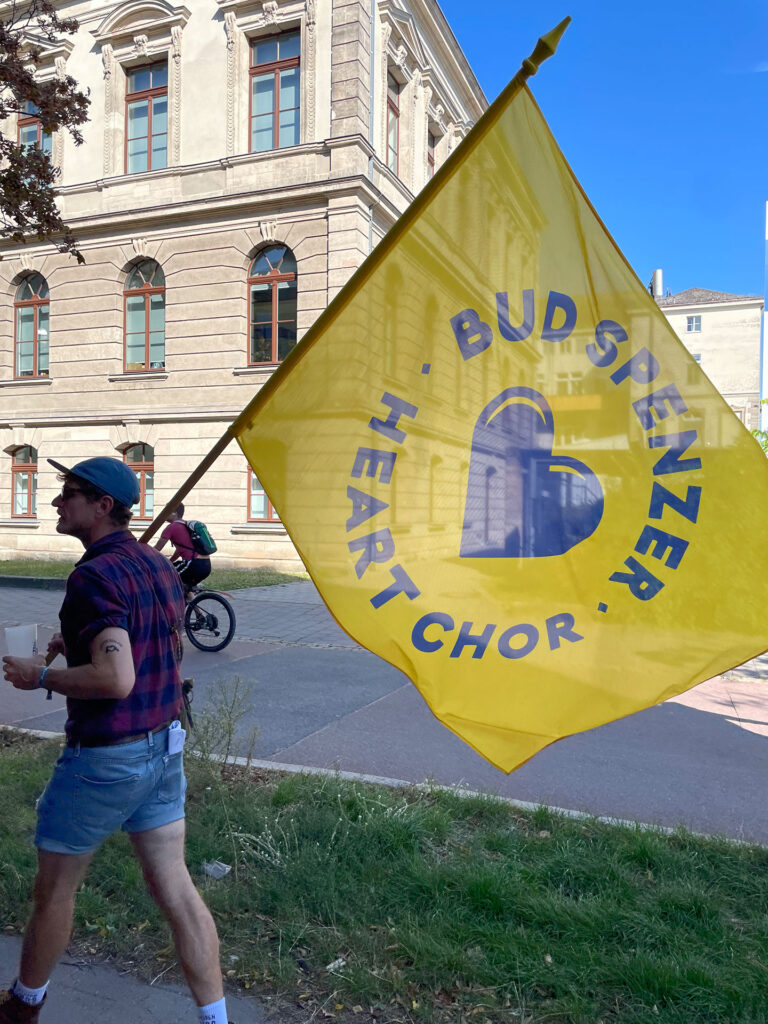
{"type": "Point", "coordinates": [59, 876]}
{"type": "Point", "coordinates": [161, 853]}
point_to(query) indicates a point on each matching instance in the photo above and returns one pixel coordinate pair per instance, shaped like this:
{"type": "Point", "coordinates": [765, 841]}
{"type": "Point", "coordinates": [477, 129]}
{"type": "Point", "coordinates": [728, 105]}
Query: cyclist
{"type": "Point", "coordinates": [192, 567]}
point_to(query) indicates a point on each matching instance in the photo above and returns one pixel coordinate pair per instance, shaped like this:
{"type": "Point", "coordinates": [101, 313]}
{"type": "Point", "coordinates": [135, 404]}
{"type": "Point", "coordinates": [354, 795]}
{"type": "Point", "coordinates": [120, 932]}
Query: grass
{"type": "Point", "coordinates": [352, 902]}
{"type": "Point", "coordinates": [220, 579]}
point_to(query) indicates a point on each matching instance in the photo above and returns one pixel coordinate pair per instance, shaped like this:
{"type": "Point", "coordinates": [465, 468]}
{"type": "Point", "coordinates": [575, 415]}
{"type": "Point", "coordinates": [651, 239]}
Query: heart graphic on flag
{"type": "Point", "coordinates": [524, 501]}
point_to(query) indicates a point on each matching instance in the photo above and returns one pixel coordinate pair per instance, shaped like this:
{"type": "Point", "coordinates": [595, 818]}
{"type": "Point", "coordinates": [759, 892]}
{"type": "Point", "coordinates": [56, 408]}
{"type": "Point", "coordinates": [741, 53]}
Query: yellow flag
{"type": "Point", "coordinates": [502, 469]}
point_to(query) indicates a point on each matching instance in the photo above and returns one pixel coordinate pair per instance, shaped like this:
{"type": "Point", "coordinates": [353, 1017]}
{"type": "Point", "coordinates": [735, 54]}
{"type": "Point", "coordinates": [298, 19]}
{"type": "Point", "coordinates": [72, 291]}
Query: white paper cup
{"type": "Point", "coordinates": [22, 640]}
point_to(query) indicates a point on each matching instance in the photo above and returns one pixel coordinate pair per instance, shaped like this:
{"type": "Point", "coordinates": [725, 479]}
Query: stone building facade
{"type": "Point", "coordinates": [722, 332]}
{"type": "Point", "coordinates": [241, 161]}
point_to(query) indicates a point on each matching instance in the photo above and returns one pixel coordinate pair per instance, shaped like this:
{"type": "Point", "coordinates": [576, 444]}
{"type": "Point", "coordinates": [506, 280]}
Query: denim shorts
{"type": "Point", "coordinates": [94, 791]}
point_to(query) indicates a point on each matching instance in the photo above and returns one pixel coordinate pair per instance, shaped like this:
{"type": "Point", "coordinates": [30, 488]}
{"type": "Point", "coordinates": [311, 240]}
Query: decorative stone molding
{"type": "Point", "coordinates": [230, 27]}
{"type": "Point", "coordinates": [108, 62]}
{"type": "Point", "coordinates": [27, 264]}
{"type": "Point", "coordinates": [139, 246]}
{"type": "Point", "coordinates": [309, 61]}
{"type": "Point", "coordinates": [175, 123]}
{"type": "Point", "coordinates": [141, 45]}
{"type": "Point", "coordinates": [270, 12]}
{"type": "Point", "coordinates": [268, 230]}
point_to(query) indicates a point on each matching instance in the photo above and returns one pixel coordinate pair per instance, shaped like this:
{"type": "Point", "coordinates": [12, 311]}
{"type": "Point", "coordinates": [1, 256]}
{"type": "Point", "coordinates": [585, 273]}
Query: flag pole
{"type": "Point", "coordinates": [544, 48]}
{"type": "Point", "coordinates": [188, 484]}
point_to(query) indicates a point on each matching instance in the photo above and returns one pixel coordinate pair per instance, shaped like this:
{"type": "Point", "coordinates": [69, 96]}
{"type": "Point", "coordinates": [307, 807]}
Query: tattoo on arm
{"type": "Point", "coordinates": [111, 646]}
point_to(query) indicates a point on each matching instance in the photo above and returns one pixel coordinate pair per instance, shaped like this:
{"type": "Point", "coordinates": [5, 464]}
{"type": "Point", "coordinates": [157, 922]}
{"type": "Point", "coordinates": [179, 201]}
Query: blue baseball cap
{"type": "Point", "coordinates": [110, 475]}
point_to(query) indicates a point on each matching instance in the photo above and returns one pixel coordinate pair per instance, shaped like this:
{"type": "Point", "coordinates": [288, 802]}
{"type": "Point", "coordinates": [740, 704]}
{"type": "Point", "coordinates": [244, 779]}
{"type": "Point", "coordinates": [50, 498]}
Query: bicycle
{"type": "Point", "coordinates": [209, 620]}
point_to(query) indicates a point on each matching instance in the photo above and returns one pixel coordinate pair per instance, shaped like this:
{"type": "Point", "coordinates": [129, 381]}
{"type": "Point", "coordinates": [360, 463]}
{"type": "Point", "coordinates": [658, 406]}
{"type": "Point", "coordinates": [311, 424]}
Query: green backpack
{"type": "Point", "coordinates": [201, 540]}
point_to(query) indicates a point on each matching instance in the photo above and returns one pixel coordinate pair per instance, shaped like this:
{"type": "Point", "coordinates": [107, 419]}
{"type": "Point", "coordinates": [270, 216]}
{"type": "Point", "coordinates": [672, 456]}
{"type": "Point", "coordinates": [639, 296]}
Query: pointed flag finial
{"type": "Point", "coordinates": [544, 48]}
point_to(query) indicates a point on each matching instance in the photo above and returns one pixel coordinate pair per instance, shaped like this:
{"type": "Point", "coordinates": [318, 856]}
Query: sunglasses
{"type": "Point", "coordinates": [70, 492]}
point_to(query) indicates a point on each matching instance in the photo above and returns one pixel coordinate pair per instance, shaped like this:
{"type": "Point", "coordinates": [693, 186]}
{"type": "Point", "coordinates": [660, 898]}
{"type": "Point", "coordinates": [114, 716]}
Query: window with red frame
{"type": "Point", "coordinates": [275, 91]}
{"type": "Point", "coordinates": [30, 129]}
{"type": "Point", "coordinates": [145, 318]}
{"type": "Point", "coordinates": [24, 485]}
{"type": "Point", "coordinates": [31, 319]}
{"type": "Point", "coordinates": [260, 508]}
{"type": "Point", "coordinates": [146, 118]}
{"type": "Point", "coordinates": [272, 290]}
{"type": "Point", "coordinates": [393, 122]}
{"type": "Point", "coordinates": [141, 459]}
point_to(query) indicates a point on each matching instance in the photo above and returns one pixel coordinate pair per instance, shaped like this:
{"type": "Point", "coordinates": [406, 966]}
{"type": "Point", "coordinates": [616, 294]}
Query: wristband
{"type": "Point", "coordinates": [41, 681]}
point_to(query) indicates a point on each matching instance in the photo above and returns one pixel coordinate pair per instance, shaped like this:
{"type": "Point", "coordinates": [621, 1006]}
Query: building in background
{"type": "Point", "coordinates": [723, 334]}
{"type": "Point", "coordinates": [241, 161]}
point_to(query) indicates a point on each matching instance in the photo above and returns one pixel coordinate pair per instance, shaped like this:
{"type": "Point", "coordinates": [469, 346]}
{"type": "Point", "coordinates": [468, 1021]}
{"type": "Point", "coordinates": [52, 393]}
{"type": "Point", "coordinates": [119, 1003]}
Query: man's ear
{"type": "Point", "coordinates": [105, 504]}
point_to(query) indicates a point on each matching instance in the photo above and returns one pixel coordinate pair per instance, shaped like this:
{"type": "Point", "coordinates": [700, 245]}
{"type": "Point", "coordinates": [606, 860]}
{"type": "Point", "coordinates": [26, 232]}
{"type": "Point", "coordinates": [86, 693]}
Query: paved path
{"type": "Point", "coordinates": [320, 700]}
{"type": "Point", "coordinates": [83, 993]}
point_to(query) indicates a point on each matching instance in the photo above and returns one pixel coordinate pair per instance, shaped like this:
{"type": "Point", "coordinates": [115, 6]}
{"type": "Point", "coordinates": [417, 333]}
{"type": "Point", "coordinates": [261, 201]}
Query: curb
{"type": "Point", "coordinates": [458, 788]}
{"type": "Point", "coordinates": [33, 582]}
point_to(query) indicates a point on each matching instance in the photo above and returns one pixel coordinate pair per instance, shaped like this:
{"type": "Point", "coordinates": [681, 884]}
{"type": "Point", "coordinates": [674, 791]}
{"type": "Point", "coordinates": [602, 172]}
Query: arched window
{"type": "Point", "coordinates": [260, 508]}
{"type": "Point", "coordinates": [141, 459]}
{"type": "Point", "coordinates": [145, 317]}
{"type": "Point", "coordinates": [24, 482]}
{"type": "Point", "coordinates": [31, 318]}
{"type": "Point", "coordinates": [272, 306]}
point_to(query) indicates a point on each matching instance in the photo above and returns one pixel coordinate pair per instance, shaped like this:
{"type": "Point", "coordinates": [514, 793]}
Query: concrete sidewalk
{"type": "Point", "coordinates": [83, 993]}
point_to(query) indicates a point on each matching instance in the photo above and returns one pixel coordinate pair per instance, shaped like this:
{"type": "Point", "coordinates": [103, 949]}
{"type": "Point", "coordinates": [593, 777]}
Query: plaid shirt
{"type": "Point", "coordinates": [119, 582]}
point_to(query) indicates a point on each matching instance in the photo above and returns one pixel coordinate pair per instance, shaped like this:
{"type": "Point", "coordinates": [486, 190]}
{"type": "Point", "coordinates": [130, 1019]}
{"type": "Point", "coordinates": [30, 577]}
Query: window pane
{"type": "Point", "coordinates": [261, 343]}
{"type": "Point", "coordinates": [157, 313]}
{"type": "Point", "coordinates": [47, 143]}
{"type": "Point", "coordinates": [289, 128]}
{"type": "Point", "coordinates": [135, 453]}
{"type": "Point", "coordinates": [288, 264]}
{"type": "Point", "coordinates": [149, 493]}
{"type": "Point", "coordinates": [25, 323]}
{"type": "Point", "coordinates": [159, 115]}
{"type": "Point", "coordinates": [286, 301]}
{"type": "Point", "coordinates": [28, 135]}
{"type": "Point", "coordinates": [134, 314]}
{"type": "Point", "coordinates": [263, 95]}
{"type": "Point", "coordinates": [40, 285]}
{"type": "Point", "coordinates": [134, 351]}
{"type": "Point", "coordinates": [20, 494]}
{"type": "Point", "coordinates": [159, 152]}
{"type": "Point", "coordinates": [261, 303]}
{"type": "Point", "coordinates": [289, 45]}
{"type": "Point", "coordinates": [265, 51]}
{"type": "Point", "coordinates": [157, 351]}
{"type": "Point", "coordinates": [138, 79]}
{"type": "Point", "coordinates": [137, 155]}
{"type": "Point", "coordinates": [24, 290]}
{"type": "Point", "coordinates": [42, 340]}
{"type": "Point", "coordinates": [138, 119]}
{"type": "Point", "coordinates": [33, 493]}
{"type": "Point", "coordinates": [289, 88]}
{"type": "Point", "coordinates": [258, 508]}
{"type": "Point", "coordinates": [263, 137]}
{"type": "Point", "coordinates": [159, 75]}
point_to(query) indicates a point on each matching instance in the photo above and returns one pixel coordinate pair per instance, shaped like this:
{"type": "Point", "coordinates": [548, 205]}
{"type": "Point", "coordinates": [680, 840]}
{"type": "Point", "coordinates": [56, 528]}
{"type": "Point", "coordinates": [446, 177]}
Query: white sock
{"type": "Point", "coordinates": [213, 1013]}
{"type": "Point", "coordinates": [33, 996]}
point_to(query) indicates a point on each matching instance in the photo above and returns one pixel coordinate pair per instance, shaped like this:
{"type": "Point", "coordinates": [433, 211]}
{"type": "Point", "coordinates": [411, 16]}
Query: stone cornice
{"type": "Point", "coordinates": [137, 16]}
{"type": "Point", "coordinates": [72, 419]}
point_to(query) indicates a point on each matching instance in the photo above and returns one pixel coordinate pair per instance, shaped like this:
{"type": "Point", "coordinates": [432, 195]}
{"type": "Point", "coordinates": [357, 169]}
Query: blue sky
{"type": "Point", "coordinates": [661, 111]}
